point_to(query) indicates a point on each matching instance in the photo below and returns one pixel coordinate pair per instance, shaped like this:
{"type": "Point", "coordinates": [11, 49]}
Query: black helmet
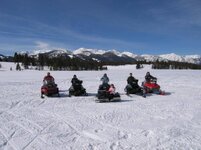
{"type": "Point", "coordinates": [74, 76]}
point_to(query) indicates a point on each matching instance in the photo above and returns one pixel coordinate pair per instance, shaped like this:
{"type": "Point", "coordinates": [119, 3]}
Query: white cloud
{"type": "Point", "coordinates": [42, 45]}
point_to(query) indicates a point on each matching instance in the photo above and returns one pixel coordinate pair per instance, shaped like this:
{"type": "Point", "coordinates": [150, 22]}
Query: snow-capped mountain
{"type": "Point", "coordinates": [52, 53]}
{"type": "Point", "coordinates": [117, 56]}
{"type": "Point", "coordinates": [173, 57]}
{"type": "Point", "coordinates": [103, 55]}
{"type": "Point", "coordinates": [195, 59]}
{"type": "Point", "coordinates": [36, 52]}
{"type": "Point", "coordinates": [88, 52]}
{"type": "Point", "coordinates": [150, 58]}
{"type": "Point", "coordinates": [2, 56]}
{"type": "Point", "coordinates": [129, 54]}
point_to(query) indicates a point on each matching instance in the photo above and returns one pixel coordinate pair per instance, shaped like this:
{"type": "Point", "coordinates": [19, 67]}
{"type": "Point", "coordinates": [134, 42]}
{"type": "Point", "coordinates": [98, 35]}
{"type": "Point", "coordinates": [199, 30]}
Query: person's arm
{"type": "Point", "coordinates": [128, 80]}
{"type": "Point", "coordinates": [152, 77]}
{"type": "Point", "coordinates": [44, 78]}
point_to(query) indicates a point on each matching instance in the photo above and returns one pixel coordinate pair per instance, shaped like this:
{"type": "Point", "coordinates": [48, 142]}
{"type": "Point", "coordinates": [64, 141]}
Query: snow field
{"type": "Point", "coordinates": [28, 122]}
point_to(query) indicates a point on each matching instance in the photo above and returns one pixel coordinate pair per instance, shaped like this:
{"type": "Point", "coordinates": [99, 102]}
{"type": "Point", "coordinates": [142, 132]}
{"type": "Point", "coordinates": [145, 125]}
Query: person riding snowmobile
{"type": "Point", "coordinates": [76, 82]}
{"type": "Point", "coordinates": [49, 87]}
{"type": "Point", "coordinates": [150, 85]}
{"type": "Point", "coordinates": [105, 79]}
{"type": "Point", "coordinates": [149, 77]}
{"type": "Point", "coordinates": [76, 89]}
{"type": "Point", "coordinates": [48, 79]}
{"type": "Point", "coordinates": [132, 86]}
{"type": "Point", "coordinates": [131, 79]}
{"type": "Point", "coordinates": [111, 91]}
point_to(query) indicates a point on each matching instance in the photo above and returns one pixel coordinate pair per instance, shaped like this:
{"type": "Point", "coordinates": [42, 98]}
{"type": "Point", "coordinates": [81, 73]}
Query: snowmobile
{"type": "Point", "coordinates": [104, 96]}
{"type": "Point", "coordinates": [134, 88]}
{"type": "Point", "coordinates": [77, 89]}
{"type": "Point", "coordinates": [153, 87]}
{"type": "Point", "coordinates": [49, 89]}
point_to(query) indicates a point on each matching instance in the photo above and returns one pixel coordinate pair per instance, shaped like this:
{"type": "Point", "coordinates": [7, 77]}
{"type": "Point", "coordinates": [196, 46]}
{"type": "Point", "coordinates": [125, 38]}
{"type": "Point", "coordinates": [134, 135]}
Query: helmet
{"type": "Point", "coordinates": [148, 73]}
{"type": "Point", "coordinates": [74, 76]}
{"type": "Point", "coordinates": [48, 73]}
{"type": "Point", "coordinates": [131, 74]}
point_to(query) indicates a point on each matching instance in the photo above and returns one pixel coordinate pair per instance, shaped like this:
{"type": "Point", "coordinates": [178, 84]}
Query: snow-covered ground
{"type": "Point", "coordinates": [159, 122]}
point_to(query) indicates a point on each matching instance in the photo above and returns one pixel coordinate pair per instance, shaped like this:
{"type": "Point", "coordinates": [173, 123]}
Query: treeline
{"type": "Point", "coordinates": [61, 62]}
{"type": "Point", "coordinates": [7, 59]}
{"type": "Point", "coordinates": [159, 64]}
{"type": "Point", "coordinates": [65, 62]}
{"type": "Point", "coordinates": [174, 65]}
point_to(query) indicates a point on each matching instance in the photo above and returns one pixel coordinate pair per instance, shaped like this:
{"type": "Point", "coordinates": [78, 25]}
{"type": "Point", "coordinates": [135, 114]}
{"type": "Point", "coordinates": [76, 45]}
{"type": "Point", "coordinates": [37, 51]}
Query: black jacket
{"type": "Point", "coordinates": [75, 81]}
{"type": "Point", "coordinates": [148, 78]}
{"type": "Point", "coordinates": [131, 79]}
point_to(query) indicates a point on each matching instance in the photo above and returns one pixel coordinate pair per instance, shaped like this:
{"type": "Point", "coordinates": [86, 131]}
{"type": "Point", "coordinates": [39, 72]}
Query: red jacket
{"type": "Point", "coordinates": [48, 78]}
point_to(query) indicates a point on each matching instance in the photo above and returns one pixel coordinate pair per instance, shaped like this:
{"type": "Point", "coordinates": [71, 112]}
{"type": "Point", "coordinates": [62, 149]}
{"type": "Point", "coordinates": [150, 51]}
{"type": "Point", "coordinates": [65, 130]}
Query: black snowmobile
{"type": "Point", "coordinates": [104, 96]}
{"type": "Point", "coordinates": [134, 88]}
{"type": "Point", "coordinates": [77, 89]}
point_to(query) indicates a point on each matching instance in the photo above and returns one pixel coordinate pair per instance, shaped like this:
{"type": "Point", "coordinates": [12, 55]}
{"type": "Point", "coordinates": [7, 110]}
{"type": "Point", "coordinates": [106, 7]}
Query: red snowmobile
{"type": "Point", "coordinates": [49, 89]}
{"type": "Point", "coordinates": [153, 87]}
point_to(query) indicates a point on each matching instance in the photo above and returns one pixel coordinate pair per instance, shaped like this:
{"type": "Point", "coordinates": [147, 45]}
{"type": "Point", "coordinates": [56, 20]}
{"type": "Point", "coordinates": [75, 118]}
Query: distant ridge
{"type": "Point", "coordinates": [117, 56]}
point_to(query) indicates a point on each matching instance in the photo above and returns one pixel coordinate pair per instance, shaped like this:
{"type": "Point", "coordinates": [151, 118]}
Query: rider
{"type": "Point", "coordinates": [132, 86]}
{"type": "Point", "coordinates": [75, 80]}
{"type": "Point", "coordinates": [76, 83]}
{"type": "Point", "coordinates": [111, 91]}
{"type": "Point", "coordinates": [149, 77]}
{"type": "Point", "coordinates": [105, 81]}
{"type": "Point", "coordinates": [48, 79]}
{"type": "Point", "coordinates": [131, 79]}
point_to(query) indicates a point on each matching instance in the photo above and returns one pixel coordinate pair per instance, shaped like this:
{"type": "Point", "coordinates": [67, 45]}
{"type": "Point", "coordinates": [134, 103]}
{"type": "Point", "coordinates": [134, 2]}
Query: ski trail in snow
{"type": "Point", "coordinates": [35, 137]}
{"type": "Point", "coordinates": [122, 133]}
{"type": "Point", "coordinates": [8, 140]}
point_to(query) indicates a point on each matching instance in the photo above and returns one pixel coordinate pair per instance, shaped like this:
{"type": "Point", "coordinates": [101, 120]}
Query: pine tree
{"type": "Point", "coordinates": [18, 68]}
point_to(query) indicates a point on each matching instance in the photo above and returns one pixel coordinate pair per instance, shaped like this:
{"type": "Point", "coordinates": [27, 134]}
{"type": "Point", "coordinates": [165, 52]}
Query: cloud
{"type": "Point", "coordinates": [42, 45]}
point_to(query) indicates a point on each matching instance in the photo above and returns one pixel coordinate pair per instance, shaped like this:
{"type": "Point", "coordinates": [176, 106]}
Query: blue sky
{"type": "Point", "coordinates": [138, 26]}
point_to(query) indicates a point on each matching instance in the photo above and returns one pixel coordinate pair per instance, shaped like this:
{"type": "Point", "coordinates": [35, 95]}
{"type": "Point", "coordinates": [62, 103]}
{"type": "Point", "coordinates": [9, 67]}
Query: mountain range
{"type": "Point", "coordinates": [115, 56]}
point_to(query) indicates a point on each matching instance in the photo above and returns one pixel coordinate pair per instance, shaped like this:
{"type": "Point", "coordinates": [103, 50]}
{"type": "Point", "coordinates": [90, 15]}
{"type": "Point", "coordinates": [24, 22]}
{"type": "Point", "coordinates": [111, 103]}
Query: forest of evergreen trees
{"type": "Point", "coordinates": [174, 65]}
{"type": "Point", "coordinates": [62, 62]}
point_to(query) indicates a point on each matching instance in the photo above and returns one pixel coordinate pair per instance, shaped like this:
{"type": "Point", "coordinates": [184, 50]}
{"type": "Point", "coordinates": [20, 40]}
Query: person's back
{"type": "Point", "coordinates": [76, 83]}
{"type": "Point", "coordinates": [48, 79]}
{"type": "Point", "coordinates": [74, 80]}
{"type": "Point", "coordinates": [105, 79]}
